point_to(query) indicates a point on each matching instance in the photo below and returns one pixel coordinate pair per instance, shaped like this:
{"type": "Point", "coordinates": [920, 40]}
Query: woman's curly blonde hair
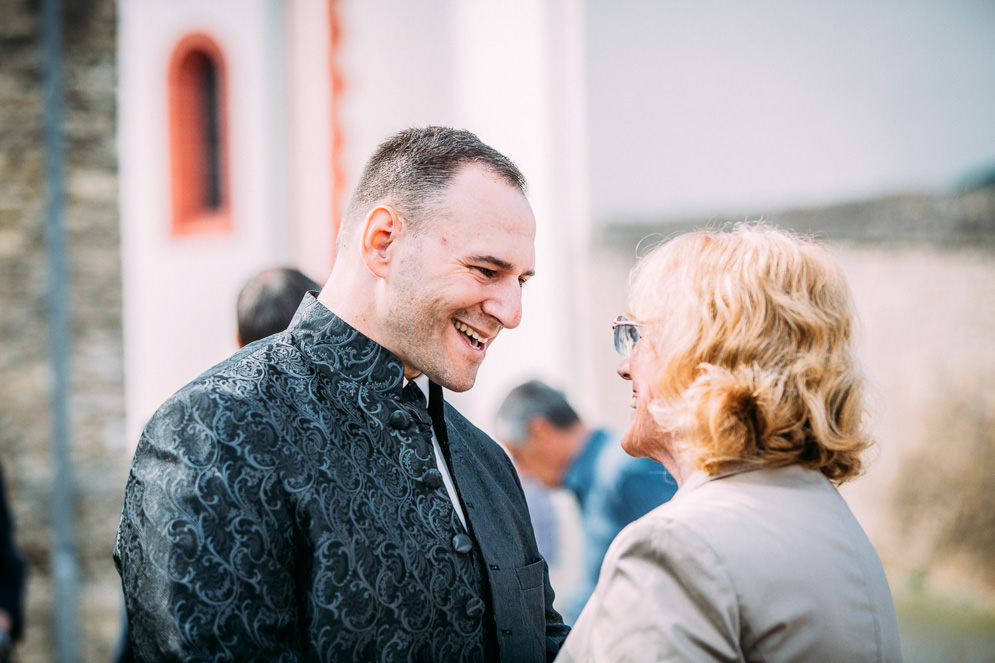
{"type": "Point", "coordinates": [752, 330]}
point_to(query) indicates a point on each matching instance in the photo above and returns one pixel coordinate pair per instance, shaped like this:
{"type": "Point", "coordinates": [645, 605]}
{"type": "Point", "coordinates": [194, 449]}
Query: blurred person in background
{"type": "Point", "coordinates": [268, 301]}
{"type": "Point", "coordinates": [301, 501]}
{"type": "Point", "coordinates": [551, 444]}
{"type": "Point", "coordinates": [740, 349]}
{"type": "Point", "coordinates": [11, 581]}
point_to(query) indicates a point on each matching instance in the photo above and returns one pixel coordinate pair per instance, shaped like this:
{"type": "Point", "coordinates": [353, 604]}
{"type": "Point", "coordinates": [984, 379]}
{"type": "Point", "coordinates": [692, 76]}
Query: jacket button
{"type": "Point", "coordinates": [433, 479]}
{"type": "Point", "coordinates": [462, 543]}
{"type": "Point", "coordinates": [474, 607]}
{"type": "Point", "coordinates": [399, 419]}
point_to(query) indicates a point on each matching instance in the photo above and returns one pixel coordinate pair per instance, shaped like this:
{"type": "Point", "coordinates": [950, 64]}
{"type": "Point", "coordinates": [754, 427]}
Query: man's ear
{"type": "Point", "coordinates": [383, 227]}
{"type": "Point", "coordinates": [539, 429]}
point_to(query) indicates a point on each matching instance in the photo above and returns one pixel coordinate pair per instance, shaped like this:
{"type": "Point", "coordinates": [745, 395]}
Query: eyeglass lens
{"type": "Point", "coordinates": [626, 337]}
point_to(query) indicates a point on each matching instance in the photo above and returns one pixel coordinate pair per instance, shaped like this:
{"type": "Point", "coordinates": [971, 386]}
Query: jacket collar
{"type": "Point", "coordinates": [699, 478]}
{"type": "Point", "coordinates": [341, 351]}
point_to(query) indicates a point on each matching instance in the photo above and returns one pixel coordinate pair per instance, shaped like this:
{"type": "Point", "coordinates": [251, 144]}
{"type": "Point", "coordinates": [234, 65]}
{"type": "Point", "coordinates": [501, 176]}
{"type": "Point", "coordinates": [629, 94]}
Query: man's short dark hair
{"type": "Point", "coordinates": [269, 300]}
{"type": "Point", "coordinates": [411, 169]}
{"type": "Point", "coordinates": [530, 400]}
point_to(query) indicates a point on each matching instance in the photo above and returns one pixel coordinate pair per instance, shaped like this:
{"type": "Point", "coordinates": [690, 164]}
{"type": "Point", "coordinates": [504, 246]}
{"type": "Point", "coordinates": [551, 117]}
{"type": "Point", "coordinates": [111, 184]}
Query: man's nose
{"type": "Point", "coordinates": [623, 369]}
{"type": "Point", "coordinates": [505, 304]}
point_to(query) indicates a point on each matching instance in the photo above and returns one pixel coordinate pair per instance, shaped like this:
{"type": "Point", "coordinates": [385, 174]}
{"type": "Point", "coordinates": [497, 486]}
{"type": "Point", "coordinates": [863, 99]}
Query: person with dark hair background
{"type": "Point", "coordinates": [11, 581]}
{"type": "Point", "coordinates": [268, 301]}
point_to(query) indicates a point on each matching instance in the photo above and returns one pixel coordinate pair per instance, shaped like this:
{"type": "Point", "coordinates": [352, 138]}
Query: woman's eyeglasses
{"type": "Point", "coordinates": [626, 335]}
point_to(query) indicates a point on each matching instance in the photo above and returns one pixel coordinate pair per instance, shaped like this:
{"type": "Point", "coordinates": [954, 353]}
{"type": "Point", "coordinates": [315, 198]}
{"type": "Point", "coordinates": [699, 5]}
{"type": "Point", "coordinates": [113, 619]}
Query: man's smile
{"type": "Point", "coordinates": [475, 339]}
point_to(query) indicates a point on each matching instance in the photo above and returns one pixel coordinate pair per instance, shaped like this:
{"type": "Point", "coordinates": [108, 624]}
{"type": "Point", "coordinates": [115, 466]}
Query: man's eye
{"type": "Point", "coordinates": [484, 271]}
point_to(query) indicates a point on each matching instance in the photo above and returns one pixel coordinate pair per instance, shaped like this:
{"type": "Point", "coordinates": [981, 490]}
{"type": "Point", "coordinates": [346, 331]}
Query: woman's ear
{"type": "Point", "coordinates": [383, 227]}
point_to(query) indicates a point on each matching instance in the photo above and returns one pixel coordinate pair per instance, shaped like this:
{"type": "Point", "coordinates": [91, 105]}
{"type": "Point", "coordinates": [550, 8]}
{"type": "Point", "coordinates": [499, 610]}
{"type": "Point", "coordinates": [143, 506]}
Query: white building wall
{"type": "Point", "coordinates": [309, 206]}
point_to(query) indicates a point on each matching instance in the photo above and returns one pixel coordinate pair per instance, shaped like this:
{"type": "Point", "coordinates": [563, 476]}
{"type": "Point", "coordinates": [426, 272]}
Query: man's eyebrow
{"type": "Point", "coordinates": [500, 264]}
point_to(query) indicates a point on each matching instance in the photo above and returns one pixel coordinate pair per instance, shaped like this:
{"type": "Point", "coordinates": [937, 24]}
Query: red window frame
{"type": "Point", "coordinates": [198, 138]}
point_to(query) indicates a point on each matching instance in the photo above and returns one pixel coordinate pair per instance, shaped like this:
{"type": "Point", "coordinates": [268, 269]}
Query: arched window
{"type": "Point", "coordinates": [197, 138]}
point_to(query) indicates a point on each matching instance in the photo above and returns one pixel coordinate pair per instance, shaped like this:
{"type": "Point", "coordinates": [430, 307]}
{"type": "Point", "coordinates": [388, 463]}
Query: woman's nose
{"type": "Point", "coordinates": [623, 369]}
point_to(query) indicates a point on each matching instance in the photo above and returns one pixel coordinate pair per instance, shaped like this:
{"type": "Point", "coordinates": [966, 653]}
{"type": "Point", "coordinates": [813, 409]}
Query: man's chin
{"type": "Point", "coordinates": [457, 375]}
{"type": "Point", "coordinates": [458, 386]}
{"type": "Point", "coordinates": [454, 383]}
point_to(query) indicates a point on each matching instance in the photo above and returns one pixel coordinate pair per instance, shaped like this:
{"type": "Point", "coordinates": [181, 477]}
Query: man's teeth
{"type": "Point", "coordinates": [479, 342]}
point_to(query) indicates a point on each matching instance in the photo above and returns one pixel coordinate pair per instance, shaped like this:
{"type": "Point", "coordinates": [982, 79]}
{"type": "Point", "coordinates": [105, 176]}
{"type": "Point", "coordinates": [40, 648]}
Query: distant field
{"type": "Point", "coordinates": [938, 630]}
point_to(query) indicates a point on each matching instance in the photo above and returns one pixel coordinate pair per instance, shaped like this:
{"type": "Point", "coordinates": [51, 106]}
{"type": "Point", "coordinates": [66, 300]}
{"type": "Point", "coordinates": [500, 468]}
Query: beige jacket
{"type": "Point", "coordinates": [764, 565]}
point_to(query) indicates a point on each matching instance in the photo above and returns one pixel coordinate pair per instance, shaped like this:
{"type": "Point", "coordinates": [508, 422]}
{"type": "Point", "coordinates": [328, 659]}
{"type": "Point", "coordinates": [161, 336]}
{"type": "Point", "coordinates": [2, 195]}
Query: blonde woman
{"type": "Point", "coordinates": [739, 346]}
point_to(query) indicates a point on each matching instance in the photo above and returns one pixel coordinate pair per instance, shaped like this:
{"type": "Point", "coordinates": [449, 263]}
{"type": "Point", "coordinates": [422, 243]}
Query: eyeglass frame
{"type": "Point", "coordinates": [626, 335]}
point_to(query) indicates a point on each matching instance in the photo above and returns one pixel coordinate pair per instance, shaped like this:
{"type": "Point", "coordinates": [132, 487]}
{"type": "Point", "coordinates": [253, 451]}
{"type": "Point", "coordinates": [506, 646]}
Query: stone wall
{"type": "Point", "coordinates": [93, 291]}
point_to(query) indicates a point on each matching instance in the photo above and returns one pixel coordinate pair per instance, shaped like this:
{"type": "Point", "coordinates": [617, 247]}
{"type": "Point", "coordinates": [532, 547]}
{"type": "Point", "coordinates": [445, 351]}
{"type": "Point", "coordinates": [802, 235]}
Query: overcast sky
{"type": "Point", "coordinates": [702, 107]}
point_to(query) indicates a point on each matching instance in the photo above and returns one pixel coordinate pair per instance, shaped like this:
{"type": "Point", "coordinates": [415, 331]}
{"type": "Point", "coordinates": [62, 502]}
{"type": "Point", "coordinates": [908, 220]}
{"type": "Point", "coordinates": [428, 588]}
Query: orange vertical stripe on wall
{"type": "Point", "coordinates": [337, 84]}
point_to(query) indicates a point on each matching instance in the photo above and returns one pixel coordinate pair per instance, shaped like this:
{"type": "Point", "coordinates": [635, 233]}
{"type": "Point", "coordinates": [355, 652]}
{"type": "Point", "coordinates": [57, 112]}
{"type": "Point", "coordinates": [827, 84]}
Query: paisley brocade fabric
{"type": "Point", "coordinates": [286, 506]}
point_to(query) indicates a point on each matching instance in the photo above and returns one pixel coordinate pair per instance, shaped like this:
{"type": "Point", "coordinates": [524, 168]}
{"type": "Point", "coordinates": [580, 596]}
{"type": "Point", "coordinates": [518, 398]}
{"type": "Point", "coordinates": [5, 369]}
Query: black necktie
{"type": "Point", "coordinates": [414, 397]}
{"type": "Point", "coordinates": [412, 394]}
{"type": "Point", "coordinates": [437, 410]}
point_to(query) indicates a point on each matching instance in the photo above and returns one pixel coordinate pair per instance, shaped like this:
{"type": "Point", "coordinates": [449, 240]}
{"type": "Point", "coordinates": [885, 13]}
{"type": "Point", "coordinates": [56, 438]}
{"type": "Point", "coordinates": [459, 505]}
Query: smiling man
{"type": "Point", "coordinates": [313, 497]}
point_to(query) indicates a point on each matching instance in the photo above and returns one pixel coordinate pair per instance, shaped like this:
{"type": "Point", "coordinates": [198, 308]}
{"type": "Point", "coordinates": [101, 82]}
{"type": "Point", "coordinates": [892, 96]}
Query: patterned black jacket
{"type": "Point", "coordinates": [286, 506]}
